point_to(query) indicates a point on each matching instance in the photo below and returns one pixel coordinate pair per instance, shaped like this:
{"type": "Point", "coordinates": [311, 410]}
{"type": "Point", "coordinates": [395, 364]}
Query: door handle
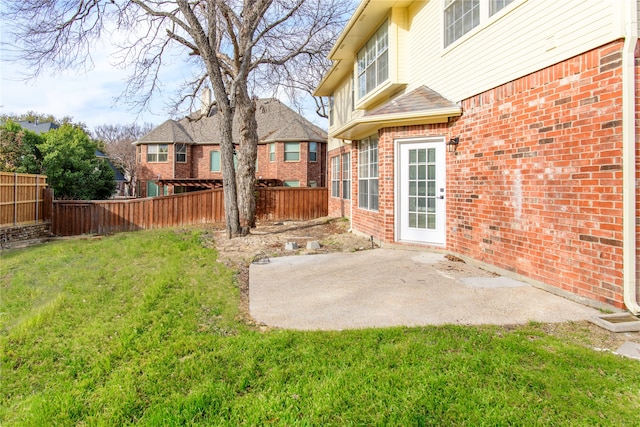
{"type": "Point", "coordinates": [441, 197]}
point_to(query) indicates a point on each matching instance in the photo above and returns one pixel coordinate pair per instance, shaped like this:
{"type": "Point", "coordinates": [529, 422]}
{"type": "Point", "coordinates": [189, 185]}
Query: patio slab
{"type": "Point", "coordinates": [394, 287]}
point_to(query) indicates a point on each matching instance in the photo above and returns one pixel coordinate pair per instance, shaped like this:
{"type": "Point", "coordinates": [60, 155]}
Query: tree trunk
{"type": "Point", "coordinates": [247, 154]}
{"type": "Point", "coordinates": [225, 120]}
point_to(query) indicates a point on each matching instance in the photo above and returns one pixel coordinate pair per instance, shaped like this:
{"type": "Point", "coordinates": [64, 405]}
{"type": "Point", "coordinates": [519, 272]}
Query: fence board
{"type": "Point", "coordinates": [21, 198]}
{"type": "Point", "coordinates": [108, 216]}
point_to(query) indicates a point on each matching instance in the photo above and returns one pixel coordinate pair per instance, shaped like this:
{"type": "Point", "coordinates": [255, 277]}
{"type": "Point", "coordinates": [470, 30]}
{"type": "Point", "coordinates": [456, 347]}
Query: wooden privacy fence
{"type": "Point", "coordinates": [22, 198]}
{"type": "Point", "coordinates": [72, 218]}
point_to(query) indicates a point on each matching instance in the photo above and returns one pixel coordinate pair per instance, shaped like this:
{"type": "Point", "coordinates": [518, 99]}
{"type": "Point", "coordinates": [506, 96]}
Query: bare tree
{"type": "Point", "coordinates": [237, 46]}
{"type": "Point", "coordinates": [118, 141]}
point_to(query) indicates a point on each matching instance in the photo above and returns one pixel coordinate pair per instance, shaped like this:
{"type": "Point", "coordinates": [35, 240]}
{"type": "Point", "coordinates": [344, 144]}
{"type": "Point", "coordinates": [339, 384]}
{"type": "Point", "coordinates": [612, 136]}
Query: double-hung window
{"type": "Point", "coordinates": [157, 153]}
{"type": "Point", "coordinates": [313, 151]}
{"type": "Point", "coordinates": [272, 152]}
{"type": "Point", "coordinates": [346, 176]}
{"type": "Point", "coordinates": [181, 153]}
{"type": "Point", "coordinates": [462, 16]}
{"type": "Point", "coordinates": [291, 151]}
{"type": "Point", "coordinates": [215, 161]}
{"type": "Point", "coordinates": [373, 62]}
{"type": "Point", "coordinates": [335, 176]}
{"type": "Point", "coordinates": [368, 173]}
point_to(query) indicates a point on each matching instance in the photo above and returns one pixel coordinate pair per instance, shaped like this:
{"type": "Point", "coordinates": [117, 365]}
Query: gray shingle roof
{"type": "Point", "coordinates": [276, 122]}
{"type": "Point", "coordinates": [420, 99]}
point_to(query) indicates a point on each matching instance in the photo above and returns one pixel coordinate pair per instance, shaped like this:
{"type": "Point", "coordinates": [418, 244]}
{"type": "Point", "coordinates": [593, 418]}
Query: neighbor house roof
{"type": "Point", "coordinates": [276, 122]}
{"type": "Point", "coordinates": [36, 127]}
{"type": "Point", "coordinates": [119, 176]}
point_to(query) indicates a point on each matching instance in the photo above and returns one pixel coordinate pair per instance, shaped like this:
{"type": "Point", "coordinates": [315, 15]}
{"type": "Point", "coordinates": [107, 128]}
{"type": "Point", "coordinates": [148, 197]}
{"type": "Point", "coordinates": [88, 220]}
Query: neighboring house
{"type": "Point", "coordinates": [500, 130]}
{"type": "Point", "coordinates": [184, 155]}
{"type": "Point", "coordinates": [37, 126]}
{"type": "Point", "coordinates": [121, 181]}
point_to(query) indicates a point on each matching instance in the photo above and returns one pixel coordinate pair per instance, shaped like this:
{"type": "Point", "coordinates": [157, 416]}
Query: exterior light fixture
{"type": "Point", "coordinates": [452, 145]}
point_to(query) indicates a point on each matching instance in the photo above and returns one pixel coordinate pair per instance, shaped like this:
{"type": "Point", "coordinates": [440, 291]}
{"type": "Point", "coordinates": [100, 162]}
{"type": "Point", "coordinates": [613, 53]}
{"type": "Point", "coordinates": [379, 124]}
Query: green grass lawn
{"type": "Point", "coordinates": [142, 328]}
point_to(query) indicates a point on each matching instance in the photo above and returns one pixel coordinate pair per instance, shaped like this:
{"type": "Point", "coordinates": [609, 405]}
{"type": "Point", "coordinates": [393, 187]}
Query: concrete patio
{"type": "Point", "coordinates": [393, 287]}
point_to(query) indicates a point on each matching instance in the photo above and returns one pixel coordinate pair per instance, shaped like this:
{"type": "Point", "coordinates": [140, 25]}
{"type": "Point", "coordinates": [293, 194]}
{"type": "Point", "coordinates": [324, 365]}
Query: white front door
{"type": "Point", "coordinates": [420, 191]}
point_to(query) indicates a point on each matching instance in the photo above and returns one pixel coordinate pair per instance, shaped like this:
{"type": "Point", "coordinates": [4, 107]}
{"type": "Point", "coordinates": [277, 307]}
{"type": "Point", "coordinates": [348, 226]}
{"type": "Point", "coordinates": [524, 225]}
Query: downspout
{"type": "Point", "coordinates": [629, 247]}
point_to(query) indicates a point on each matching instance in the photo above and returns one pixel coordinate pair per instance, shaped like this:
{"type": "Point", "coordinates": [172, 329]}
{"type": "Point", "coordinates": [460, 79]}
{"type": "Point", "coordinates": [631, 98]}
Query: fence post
{"type": "Point", "coordinates": [37, 195]}
{"type": "Point", "coordinates": [15, 198]}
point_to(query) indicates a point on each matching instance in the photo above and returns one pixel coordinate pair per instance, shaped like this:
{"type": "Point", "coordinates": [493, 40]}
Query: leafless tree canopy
{"type": "Point", "coordinates": [118, 142]}
{"type": "Point", "coordinates": [240, 48]}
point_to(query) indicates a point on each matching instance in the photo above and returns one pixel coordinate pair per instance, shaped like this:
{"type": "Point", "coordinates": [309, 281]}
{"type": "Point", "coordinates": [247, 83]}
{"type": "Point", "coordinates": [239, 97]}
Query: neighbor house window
{"type": "Point", "coordinates": [373, 61]}
{"type": "Point", "coordinates": [272, 152]}
{"type": "Point", "coordinates": [139, 153]}
{"type": "Point", "coordinates": [460, 17]}
{"type": "Point", "coordinates": [157, 153]}
{"type": "Point", "coordinates": [496, 5]}
{"type": "Point", "coordinates": [335, 176]}
{"type": "Point", "coordinates": [313, 151]}
{"type": "Point", "coordinates": [368, 173]}
{"type": "Point", "coordinates": [215, 161]}
{"type": "Point", "coordinates": [181, 153]}
{"type": "Point", "coordinates": [291, 151]}
{"type": "Point", "coordinates": [153, 189]}
{"type": "Point", "coordinates": [346, 176]}
{"type": "Point", "coordinates": [291, 183]}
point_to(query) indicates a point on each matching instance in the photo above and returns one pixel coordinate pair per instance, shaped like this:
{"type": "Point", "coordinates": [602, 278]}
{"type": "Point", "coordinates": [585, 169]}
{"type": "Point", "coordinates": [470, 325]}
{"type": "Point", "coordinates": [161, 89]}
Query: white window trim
{"type": "Point", "coordinates": [176, 152]}
{"type": "Point", "coordinates": [272, 152]}
{"type": "Point", "coordinates": [157, 153]}
{"type": "Point", "coordinates": [346, 175]}
{"type": "Point", "coordinates": [485, 22]}
{"type": "Point", "coordinates": [367, 94]}
{"type": "Point", "coordinates": [285, 152]}
{"type": "Point", "coordinates": [313, 151]}
{"type": "Point", "coordinates": [336, 174]}
{"type": "Point", "coordinates": [211, 161]}
{"type": "Point", "coordinates": [369, 178]}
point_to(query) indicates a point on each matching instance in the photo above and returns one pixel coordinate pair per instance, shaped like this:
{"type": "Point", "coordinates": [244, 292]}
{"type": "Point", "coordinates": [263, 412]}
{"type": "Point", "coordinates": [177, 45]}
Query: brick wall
{"type": "Point", "coordinates": [535, 186]}
{"type": "Point", "coordinates": [198, 165]}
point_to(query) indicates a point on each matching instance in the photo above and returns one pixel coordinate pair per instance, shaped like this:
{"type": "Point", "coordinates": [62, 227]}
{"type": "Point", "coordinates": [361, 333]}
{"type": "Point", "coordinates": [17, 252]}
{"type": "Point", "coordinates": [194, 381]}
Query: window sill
{"type": "Point", "coordinates": [378, 94]}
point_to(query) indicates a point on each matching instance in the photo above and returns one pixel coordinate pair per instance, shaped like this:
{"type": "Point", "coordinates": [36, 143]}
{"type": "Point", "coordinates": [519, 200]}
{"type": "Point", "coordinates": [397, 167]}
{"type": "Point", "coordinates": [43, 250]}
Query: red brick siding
{"type": "Point", "coordinates": [536, 184]}
{"type": "Point", "coordinates": [198, 165]}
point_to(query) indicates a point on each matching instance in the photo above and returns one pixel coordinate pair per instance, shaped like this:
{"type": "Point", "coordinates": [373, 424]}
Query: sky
{"type": "Point", "coordinates": [89, 96]}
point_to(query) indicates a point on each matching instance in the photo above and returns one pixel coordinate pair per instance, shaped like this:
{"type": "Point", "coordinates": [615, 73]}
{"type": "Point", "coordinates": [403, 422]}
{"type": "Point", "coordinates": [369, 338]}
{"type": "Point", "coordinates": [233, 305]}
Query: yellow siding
{"type": "Point", "coordinates": [341, 109]}
{"type": "Point", "coordinates": [531, 35]}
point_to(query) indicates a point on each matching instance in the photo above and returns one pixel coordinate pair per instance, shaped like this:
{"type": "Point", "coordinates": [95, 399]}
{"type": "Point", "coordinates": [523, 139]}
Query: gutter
{"type": "Point", "coordinates": [629, 246]}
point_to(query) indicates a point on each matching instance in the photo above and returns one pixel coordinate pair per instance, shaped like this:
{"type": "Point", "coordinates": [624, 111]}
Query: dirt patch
{"type": "Point", "coordinates": [268, 240]}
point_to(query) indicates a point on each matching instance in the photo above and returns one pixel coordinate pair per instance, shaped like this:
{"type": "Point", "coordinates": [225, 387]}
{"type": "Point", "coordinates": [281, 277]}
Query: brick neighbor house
{"type": "Point", "coordinates": [184, 155]}
{"type": "Point", "coordinates": [500, 130]}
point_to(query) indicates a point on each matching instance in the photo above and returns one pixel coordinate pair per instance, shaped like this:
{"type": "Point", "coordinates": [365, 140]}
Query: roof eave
{"type": "Point", "coordinates": [366, 125]}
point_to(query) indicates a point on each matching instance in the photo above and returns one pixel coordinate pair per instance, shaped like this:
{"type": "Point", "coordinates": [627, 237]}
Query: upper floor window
{"type": "Point", "coordinates": [497, 5]}
{"type": "Point", "coordinates": [181, 153]}
{"type": "Point", "coordinates": [215, 162]}
{"type": "Point", "coordinates": [313, 151]}
{"type": "Point", "coordinates": [157, 153]}
{"type": "Point", "coordinates": [272, 152]}
{"type": "Point", "coordinates": [462, 16]}
{"type": "Point", "coordinates": [139, 153]}
{"type": "Point", "coordinates": [291, 151]}
{"type": "Point", "coordinates": [373, 61]}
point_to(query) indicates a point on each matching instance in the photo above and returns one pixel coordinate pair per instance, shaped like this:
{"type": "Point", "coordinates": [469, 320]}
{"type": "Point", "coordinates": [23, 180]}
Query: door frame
{"type": "Point", "coordinates": [397, 143]}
